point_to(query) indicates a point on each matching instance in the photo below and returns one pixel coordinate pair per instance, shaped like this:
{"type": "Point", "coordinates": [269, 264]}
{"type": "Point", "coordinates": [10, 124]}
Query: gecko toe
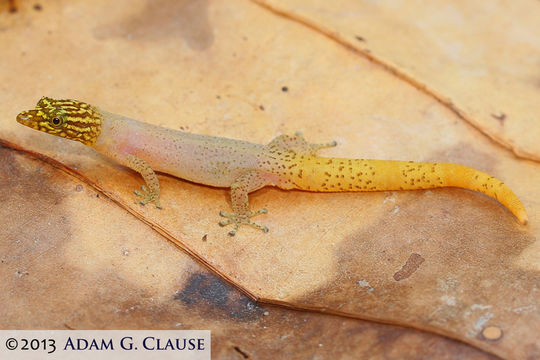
{"type": "Point", "coordinates": [225, 222]}
{"type": "Point", "coordinates": [241, 219]}
{"type": "Point", "coordinates": [148, 196]}
{"type": "Point", "coordinates": [258, 212]}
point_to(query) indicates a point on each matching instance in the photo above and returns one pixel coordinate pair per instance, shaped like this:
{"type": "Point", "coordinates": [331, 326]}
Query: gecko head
{"type": "Point", "coordinates": [70, 119]}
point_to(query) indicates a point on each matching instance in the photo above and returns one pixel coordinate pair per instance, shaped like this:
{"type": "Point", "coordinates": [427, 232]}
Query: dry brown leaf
{"type": "Point", "coordinates": [447, 261]}
{"type": "Point", "coordinates": [480, 59]}
{"type": "Point", "coordinates": [65, 265]}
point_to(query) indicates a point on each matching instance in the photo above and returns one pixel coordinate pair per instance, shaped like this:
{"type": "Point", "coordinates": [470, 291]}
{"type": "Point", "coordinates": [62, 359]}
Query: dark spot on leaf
{"type": "Point", "coordinates": [210, 293]}
{"type": "Point", "coordinates": [413, 263]}
{"type": "Point", "coordinates": [501, 117]}
{"type": "Point", "coordinates": [242, 353]}
{"type": "Point", "coordinates": [12, 6]}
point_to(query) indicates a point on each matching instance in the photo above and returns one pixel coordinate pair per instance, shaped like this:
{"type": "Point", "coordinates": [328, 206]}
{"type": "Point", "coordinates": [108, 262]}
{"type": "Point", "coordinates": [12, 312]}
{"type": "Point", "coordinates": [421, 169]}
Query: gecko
{"type": "Point", "coordinates": [287, 162]}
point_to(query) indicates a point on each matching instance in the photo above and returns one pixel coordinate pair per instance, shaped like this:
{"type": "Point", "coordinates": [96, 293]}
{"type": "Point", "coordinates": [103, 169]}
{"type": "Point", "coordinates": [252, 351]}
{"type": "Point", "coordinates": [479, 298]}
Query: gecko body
{"type": "Point", "coordinates": [288, 162]}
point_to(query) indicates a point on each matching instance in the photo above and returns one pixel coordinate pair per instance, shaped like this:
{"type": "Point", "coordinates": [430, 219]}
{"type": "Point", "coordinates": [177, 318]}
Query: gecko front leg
{"type": "Point", "coordinates": [150, 193]}
{"type": "Point", "coordinates": [241, 215]}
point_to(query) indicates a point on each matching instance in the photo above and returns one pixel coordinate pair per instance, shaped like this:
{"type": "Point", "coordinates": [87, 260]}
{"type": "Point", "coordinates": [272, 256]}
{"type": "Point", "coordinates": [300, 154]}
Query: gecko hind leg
{"type": "Point", "coordinates": [298, 144]}
{"type": "Point", "coordinates": [241, 215]}
{"type": "Point", "coordinates": [315, 147]}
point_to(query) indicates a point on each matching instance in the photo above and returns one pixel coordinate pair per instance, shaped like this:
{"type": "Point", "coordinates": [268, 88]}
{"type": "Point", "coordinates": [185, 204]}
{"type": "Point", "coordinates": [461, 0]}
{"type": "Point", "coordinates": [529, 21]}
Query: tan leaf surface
{"type": "Point", "coordinates": [479, 58]}
{"type": "Point", "coordinates": [447, 261]}
{"type": "Point", "coordinates": [67, 265]}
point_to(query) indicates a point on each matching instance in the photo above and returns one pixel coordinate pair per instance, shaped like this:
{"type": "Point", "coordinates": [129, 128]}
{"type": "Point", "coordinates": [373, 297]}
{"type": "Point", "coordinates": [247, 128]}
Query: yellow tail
{"type": "Point", "coordinates": [335, 174]}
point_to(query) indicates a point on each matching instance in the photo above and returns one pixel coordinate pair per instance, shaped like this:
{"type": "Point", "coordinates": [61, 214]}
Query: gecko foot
{"type": "Point", "coordinates": [242, 219]}
{"type": "Point", "coordinates": [312, 146]}
{"type": "Point", "coordinates": [148, 196]}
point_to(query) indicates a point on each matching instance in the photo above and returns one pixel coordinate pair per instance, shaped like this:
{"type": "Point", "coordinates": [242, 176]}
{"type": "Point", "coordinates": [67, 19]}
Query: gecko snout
{"type": "Point", "coordinates": [27, 118]}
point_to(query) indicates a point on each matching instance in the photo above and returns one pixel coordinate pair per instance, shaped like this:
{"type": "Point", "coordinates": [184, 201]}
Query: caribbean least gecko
{"type": "Point", "coordinates": [288, 162]}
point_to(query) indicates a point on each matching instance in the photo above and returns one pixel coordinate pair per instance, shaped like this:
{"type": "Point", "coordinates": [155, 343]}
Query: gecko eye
{"type": "Point", "coordinates": [56, 121]}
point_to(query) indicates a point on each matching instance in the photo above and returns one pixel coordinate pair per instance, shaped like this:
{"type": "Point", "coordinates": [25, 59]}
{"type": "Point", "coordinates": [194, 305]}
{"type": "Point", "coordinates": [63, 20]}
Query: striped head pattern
{"type": "Point", "coordinates": [70, 119]}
